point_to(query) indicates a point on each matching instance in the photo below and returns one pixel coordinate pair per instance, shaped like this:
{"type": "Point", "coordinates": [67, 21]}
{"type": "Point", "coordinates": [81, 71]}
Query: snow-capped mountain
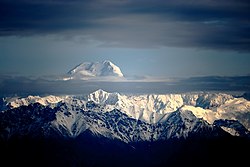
{"type": "Point", "coordinates": [154, 108]}
{"type": "Point", "coordinates": [14, 102]}
{"type": "Point", "coordinates": [96, 70]}
{"type": "Point", "coordinates": [151, 108]}
{"type": "Point", "coordinates": [128, 118]}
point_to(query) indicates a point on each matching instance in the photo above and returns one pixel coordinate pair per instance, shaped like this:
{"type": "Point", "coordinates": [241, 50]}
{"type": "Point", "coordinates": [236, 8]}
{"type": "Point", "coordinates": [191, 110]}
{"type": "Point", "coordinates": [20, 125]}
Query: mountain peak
{"type": "Point", "coordinates": [95, 69]}
{"type": "Point", "coordinates": [99, 91]}
{"type": "Point", "coordinates": [107, 62]}
{"type": "Point", "coordinates": [99, 96]}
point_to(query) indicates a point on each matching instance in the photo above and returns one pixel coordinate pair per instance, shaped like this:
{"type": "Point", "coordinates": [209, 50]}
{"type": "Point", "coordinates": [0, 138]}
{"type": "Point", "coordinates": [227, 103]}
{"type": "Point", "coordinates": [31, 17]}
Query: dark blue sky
{"type": "Point", "coordinates": [169, 38]}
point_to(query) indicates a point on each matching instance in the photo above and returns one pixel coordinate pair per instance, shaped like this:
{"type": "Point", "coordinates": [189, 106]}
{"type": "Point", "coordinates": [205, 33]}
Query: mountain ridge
{"type": "Point", "coordinates": [150, 108]}
{"type": "Point", "coordinates": [36, 120]}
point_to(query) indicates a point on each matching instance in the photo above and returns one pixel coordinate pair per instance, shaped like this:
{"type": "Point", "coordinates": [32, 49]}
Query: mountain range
{"type": "Point", "coordinates": [148, 108]}
{"type": "Point", "coordinates": [129, 123]}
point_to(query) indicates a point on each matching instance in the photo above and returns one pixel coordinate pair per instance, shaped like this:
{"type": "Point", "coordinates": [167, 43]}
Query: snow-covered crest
{"type": "Point", "coordinates": [87, 70]}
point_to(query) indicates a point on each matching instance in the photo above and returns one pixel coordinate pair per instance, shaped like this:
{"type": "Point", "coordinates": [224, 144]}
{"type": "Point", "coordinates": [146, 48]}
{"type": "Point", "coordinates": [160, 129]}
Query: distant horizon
{"type": "Point", "coordinates": [25, 86]}
{"type": "Point", "coordinates": [65, 71]}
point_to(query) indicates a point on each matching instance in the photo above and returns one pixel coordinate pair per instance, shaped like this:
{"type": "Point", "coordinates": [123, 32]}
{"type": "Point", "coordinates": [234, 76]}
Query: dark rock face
{"type": "Point", "coordinates": [235, 125]}
{"type": "Point", "coordinates": [36, 120]}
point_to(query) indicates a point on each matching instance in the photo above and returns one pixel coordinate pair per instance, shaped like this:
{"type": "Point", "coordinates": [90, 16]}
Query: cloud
{"type": "Point", "coordinates": [11, 85]}
{"type": "Point", "coordinates": [203, 24]}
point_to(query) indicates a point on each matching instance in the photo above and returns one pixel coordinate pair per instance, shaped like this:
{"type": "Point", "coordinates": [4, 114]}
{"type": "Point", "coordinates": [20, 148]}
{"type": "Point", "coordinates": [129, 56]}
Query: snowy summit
{"type": "Point", "coordinates": [87, 70]}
